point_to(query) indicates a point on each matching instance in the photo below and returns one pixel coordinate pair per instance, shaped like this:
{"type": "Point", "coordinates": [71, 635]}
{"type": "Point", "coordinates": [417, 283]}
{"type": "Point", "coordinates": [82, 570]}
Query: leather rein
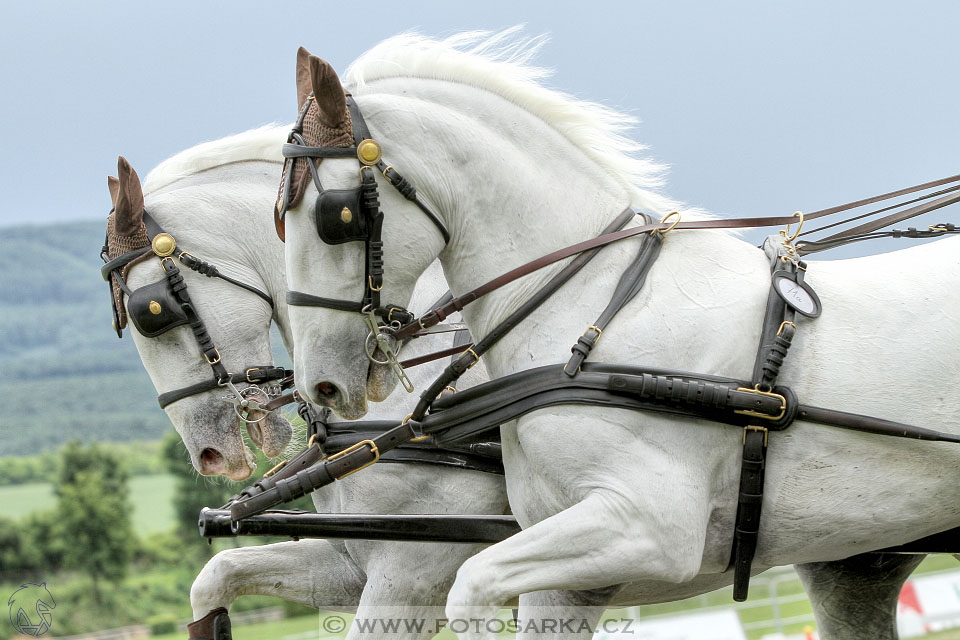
{"type": "Point", "coordinates": [757, 406]}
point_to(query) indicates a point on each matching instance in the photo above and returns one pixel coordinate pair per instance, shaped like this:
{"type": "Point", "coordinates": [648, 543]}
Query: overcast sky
{"type": "Point", "coordinates": [760, 107]}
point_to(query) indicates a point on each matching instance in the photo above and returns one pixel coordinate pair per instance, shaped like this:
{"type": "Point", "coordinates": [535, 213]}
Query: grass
{"type": "Point", "coordinates": [299, 628]}
{"type": "Point", "coordinates": [150, 495]}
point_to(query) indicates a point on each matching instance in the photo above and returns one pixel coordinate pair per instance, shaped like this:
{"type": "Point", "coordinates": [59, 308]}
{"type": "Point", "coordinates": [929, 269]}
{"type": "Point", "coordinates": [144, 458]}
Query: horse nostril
{"type": "Point", "coordinates": [211, 459]}
{"type": "Point", "coordinates": [326, 390]}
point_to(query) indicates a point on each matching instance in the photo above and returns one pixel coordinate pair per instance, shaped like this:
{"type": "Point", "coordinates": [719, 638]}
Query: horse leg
{"type": "Point", "coordinates": [857, 597]}
{"type": "Point", "coordinates": [562, 614]}
{"type": "Point", "coordinates": [407, 585]}
{"type": "Point", "coordinates": [311, 572]}
{"type": "Point", "coordinates": [605, 539]}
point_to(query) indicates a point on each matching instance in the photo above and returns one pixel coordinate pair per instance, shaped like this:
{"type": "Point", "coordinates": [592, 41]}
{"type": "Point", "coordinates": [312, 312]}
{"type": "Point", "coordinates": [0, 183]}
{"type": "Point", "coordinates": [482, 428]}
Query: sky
{"type": "Point", "coordinates": [760, 108]}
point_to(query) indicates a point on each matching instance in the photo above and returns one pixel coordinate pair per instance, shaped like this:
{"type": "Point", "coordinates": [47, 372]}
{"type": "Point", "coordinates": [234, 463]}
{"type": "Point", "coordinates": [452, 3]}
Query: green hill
{"type": "Point", "coordinates": [67, 374]}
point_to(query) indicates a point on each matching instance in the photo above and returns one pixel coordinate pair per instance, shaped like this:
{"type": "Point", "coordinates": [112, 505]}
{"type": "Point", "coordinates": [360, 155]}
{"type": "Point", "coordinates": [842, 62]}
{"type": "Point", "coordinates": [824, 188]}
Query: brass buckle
{"type": "Point", "coordinates": [247, 375]}
{"type": "Point", "coordinates": [370, 282]}
{"type": "Point", "coordinates": [282, 464]}
{"type": "Point", "coordinates": [214, 361]}
{"type": "Point", "coordinates": [476, 358]}
{"type": "Point", "coordinates": [422, 438]}
{"type": "Point", "coordinates": [351, 449]}
{"type": "Point", "coordinates": [757, 414]}
{"type": "Point", "coordinates": [385, 176]}
{"type": "Point", "coordinates": [784, 324]}
{"type": "Point", "coordinates": [766, 433]}
{"type": "Point", "coordinates": [597, 329]}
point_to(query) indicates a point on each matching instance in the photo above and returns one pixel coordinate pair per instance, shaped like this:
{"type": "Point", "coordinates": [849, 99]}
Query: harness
{"type": "Point", "coordinates": [756, 406]}
{"type": "Point", "coordinates": [353, 215]}
{"type": "Point", "coordinates": [163, 305]}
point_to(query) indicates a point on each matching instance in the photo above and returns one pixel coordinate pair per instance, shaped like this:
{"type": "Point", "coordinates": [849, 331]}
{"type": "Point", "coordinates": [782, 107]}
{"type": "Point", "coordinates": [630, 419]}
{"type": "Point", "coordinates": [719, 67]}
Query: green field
{"type": "Point", "coordinates": [150, 495]}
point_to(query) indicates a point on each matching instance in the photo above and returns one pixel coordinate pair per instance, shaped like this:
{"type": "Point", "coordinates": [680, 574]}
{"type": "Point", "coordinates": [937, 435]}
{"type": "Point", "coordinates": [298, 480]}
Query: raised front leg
{"type": "Point", "coordinates": [311, 572]}
{"type": "Point", "coordinates": [562, 614]}
{"type": "Point", "coordinates": [607, 539]}
{"type": "Point", "coordinates": [856, 598]}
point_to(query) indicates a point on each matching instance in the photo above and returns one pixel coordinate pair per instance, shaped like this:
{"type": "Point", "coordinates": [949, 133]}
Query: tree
{"type": "Point", "coordinates": [192, 491]}
{"type": "Point", "coordinates": [94, 513]}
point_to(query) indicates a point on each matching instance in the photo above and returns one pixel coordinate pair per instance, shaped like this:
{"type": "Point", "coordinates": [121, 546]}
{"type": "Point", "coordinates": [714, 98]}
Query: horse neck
{"type": "Point", "coordinates": [507, 183]}
{"type": "Point", "coordinates": [222, 216]}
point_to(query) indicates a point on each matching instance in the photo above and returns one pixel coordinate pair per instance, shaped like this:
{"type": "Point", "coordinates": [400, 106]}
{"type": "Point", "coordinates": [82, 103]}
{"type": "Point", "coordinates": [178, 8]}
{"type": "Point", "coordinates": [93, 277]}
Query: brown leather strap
{"type": "Point", "coordinates": [213, 626]}
{"type": "Point", "coordinates": [436, 355]}
{"type": "Point", "coordinates": [457, 304]}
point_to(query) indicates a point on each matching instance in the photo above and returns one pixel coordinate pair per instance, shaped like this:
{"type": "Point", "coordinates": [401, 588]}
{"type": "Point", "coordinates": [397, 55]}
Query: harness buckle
{"type": "Point", "coordinates": [758, 414]}
{"type": "Point", "coordinates": [247, 375]}
{"type": "Point", "coordinates": [351, 449]}
{"type": "Point", "coordinates": [215, 360]}
{"type": "Point", "coordinates": [784, 324]}
{"type": "Point", "coordinates": [370, 283]}
{"type": "Point", "coordinates": [766, 433]}
{"type": "Point", "coordinates": [476, 358]}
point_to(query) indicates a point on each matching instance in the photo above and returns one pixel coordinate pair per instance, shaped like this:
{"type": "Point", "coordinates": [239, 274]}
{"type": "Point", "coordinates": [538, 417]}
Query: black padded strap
{"type": "Point", "coordinates": [630, 283]}
{"type": "Point", "coordinates": [321, 474]}
{"type": "Point", "coordinates": [301, 299]}
{"type": "Point", "coordinates": [750, 502]}
{"type": "Point", "coordinates": [459, 366]}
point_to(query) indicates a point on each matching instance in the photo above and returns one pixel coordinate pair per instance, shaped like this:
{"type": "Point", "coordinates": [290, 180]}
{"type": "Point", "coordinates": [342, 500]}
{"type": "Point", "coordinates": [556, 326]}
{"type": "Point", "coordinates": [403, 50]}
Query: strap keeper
{"type": "Point", "coordinates": [351, 449]}
{"type": "Point", "coordinates": [752, 427]}
{"type": "Point", "coordinates": [785, 324]}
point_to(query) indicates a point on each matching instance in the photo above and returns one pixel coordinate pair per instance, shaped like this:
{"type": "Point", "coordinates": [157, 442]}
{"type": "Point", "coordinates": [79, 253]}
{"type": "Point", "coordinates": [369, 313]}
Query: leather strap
{"type": "Point", "coordinates": [253, 375]}
{"type": "Point", "coordinates": [213, 626]}
{"type": "Point", "coordinates": [750, 501]}
{"type": "Point", "coordinates": [307, 480]}
{"type": "Point", "coordinates": [457, 304]}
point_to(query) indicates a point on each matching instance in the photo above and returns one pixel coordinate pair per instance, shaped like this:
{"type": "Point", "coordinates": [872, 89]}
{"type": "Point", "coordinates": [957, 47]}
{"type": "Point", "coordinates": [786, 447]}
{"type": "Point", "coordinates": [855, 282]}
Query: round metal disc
{"type": "Point", "coordinates": [368, 151]}
{"type": "Point", "coordinates": [163, 244]}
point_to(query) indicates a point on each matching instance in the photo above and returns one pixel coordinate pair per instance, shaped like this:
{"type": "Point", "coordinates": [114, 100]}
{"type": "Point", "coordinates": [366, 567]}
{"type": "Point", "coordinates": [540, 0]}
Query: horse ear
{"type": "Point", "coordinates": [114, 186]}
{"type": "Point", "coordinates": [129, 205]}
{"type": "Point", "coordinates": [303, 76]}
{"type": "Point", "coordinates": [331, 100]}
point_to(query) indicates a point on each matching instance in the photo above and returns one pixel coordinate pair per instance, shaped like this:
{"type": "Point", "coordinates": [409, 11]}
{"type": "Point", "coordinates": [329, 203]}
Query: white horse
{"type": "Point", "coordinates": [620, 506]}
{"type": "Point", "coordinates": [215, 199]}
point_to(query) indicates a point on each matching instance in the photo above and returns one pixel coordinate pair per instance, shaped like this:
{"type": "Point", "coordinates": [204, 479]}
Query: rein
{"type": "Point", "coordinates": [437, 315]}
{"type": "Point", "coordinates": [757, 406]}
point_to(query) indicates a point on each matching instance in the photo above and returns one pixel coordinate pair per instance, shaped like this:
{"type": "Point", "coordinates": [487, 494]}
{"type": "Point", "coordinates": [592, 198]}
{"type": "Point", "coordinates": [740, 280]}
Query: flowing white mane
{"type": "Point", "coordinates": [263, 143]}
{"type": "Point", "coordinates": [500, 62]}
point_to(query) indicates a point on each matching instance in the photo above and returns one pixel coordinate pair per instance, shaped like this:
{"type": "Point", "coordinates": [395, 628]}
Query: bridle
{"type": "Point", "coordinates": [158, 307]}
{"type": "Point", "coordinates": [354, 215]}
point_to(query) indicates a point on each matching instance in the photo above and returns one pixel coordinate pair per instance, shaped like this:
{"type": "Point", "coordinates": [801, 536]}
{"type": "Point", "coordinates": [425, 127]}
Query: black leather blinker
{"type": "Point", "coordinates": [340, 217]}
{"type": "Point", "coordinates": [154, 310]}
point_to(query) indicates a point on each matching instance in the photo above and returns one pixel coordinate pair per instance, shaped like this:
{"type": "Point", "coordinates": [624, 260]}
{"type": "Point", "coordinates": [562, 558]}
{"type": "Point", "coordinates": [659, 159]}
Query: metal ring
{"type": "Point", "coordinates": [664, 232]}
{"type": "Point", "coordinates": [786, 231]}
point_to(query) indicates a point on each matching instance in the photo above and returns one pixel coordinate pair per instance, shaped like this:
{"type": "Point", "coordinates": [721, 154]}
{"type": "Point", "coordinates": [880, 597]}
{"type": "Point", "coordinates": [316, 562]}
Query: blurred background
{"type": "Point", "coordinates": [759, 108]}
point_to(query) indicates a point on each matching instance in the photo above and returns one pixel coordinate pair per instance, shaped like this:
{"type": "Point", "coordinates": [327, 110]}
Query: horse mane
{"type": "Point", "coordinates": [499, 62]}
{"type": "Point", "coordinates": [263, 143]}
